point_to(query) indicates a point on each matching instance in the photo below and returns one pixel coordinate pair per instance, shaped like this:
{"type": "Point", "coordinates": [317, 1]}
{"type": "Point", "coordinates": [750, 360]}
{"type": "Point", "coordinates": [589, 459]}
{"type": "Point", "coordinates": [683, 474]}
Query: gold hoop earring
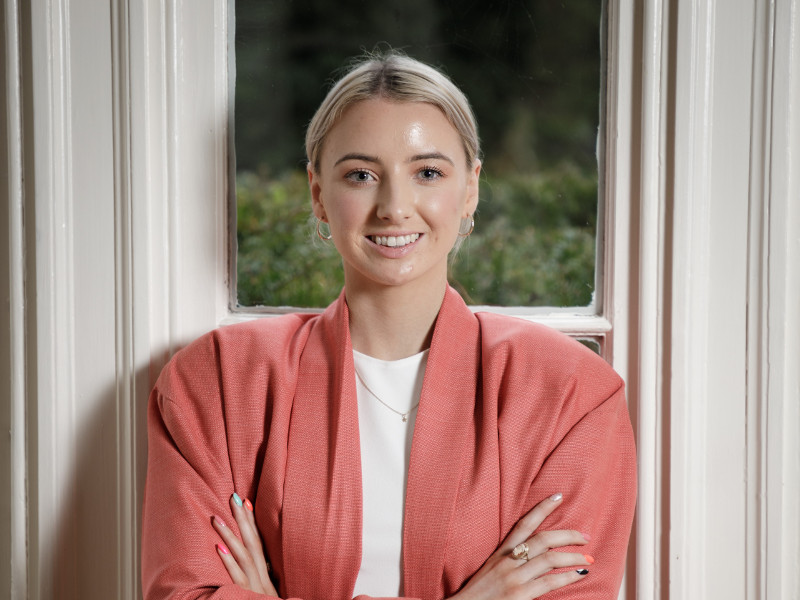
{"type": "Point", "coordinates": [324, 238]}
{"type": "Point", "coordinates": [319, 232]}
{"type": "Point", "coordinates": [471, 227]}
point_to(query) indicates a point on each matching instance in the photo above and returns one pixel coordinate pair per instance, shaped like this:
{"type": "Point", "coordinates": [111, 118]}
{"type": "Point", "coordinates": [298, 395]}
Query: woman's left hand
{"type": "Point", "coordinates": [244, 559]}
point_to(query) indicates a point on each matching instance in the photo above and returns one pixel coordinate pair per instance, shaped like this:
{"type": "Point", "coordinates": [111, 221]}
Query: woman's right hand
{"type": "Point", "coordinates": [244, 559]}
{"type": "Point", "coordinates": [506, 577]}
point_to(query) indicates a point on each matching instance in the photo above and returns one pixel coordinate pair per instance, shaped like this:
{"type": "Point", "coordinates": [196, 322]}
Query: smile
{"type": "Point", "coordinates": [394, 241]}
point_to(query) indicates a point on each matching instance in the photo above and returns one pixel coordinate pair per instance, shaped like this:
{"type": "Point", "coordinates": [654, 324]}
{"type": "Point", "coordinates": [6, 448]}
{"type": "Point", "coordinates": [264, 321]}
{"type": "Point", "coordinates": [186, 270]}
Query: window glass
{"type": "Point", "coordinates": [532, 71]}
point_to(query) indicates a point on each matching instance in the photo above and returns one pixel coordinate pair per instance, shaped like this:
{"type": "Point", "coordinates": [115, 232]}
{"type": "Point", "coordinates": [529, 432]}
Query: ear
{"type": "Point", "coordinates": [317, 206]}
{"type": "Point", "coordinates": [473, 188]}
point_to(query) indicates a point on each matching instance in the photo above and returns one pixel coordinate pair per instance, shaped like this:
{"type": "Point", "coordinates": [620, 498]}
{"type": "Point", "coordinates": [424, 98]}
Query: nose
{"type": "Point", "coordinates": [395, 201]}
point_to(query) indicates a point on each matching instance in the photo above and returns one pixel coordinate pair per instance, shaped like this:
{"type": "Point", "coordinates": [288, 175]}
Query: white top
{"type": "Point", "coordinates": [385, 454]}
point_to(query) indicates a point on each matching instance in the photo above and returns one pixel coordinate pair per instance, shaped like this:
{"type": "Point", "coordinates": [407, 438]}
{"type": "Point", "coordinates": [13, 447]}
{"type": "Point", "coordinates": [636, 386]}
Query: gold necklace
{"type": "Point", "coordinates": [404, 415]}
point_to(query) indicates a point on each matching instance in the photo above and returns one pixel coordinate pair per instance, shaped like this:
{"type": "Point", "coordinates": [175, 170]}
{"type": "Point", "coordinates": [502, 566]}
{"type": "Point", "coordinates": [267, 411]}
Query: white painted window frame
{"type": "Point", "coordinates": [114, 164]}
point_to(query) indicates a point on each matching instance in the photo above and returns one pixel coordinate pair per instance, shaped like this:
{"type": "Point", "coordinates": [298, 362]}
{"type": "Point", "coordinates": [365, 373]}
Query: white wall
{"type": "Point", "coordinates": [114, 253]}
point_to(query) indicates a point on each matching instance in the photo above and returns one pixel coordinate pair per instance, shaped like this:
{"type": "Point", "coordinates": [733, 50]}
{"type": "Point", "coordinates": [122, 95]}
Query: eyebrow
{"type": "Point", "coordinates": [432, 156]}
{"type": "Point", "coordinates": [375, 159]}
{"type": "Point", "coordinates": [356, 156]}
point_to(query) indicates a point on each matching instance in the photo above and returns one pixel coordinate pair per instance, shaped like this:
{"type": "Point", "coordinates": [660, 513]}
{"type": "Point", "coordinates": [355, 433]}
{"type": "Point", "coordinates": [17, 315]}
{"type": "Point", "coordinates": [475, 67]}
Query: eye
{"type": "Point", "coordinates": [430, 173]}
{"type": "Point", "coordinates": [360, 176]}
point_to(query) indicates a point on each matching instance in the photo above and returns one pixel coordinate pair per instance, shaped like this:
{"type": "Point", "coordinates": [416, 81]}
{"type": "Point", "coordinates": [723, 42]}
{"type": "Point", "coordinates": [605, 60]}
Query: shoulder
{"type": "Point", "coordinates": [234, 352]}
{"type": "Point", "coordinates": [535, 360]}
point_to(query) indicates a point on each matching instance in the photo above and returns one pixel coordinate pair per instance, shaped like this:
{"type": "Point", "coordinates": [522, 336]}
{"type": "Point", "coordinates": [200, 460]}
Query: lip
{"type": "Point", "coordinates": [396, 251]}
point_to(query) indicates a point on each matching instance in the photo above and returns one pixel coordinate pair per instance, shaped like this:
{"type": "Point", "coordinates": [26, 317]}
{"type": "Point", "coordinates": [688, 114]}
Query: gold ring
{"type": "Point", "coordinates": [520, 552]}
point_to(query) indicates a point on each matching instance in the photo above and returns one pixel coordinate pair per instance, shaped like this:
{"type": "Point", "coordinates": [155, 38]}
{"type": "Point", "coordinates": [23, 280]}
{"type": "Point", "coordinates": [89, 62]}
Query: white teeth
{"type": "Point", "coordinates": [395, 241]}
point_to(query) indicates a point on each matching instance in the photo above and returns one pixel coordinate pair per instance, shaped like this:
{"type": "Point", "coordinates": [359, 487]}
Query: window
{"type": "Point", "coordinates": [533, 73]}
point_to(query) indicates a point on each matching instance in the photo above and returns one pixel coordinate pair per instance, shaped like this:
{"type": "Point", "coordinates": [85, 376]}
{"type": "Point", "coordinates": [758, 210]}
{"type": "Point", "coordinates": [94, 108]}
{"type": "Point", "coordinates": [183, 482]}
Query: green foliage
{"type": "Point", "coordinates": [281, 261]}
{"type": "Point", "coordinates": [534, 242]}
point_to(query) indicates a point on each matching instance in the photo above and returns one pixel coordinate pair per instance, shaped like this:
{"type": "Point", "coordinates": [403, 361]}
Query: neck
{"type": "Point", "coordinates": [393, 322]}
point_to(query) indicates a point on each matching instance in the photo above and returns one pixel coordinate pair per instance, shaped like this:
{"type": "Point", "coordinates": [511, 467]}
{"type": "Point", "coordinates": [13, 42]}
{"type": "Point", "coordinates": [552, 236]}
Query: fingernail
{"type": "Point", "coordinates": [222, 548]}
{"type": "Point", "coordinates": [582, 571]}
{"type": "Point", "coordinates": [247, 505]}
{"type": "Point", "coordinates": [586, 536]}
{"type": "Point", "coordinates": [236, 499]}
{"type": "Point", "coordinates": [220, 521]}
{"type": "Point", "coordinates": [589, 559]}
{"type": "Point", "coordinates": [556, 497]}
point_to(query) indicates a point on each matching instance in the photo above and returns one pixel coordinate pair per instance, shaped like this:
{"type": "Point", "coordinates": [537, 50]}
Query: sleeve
{"type": "Point", "coordinates": [187, 483]}
{"type": "Point", "coordinates": [201, 448]}
{"type": "Point", "coordinates": [594, 467]}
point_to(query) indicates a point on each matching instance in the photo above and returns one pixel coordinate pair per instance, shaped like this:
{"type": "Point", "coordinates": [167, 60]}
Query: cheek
{"type": "Point", "coordinates": [346, 210]}
{"type": "Point", "coordinates": [449, 206]}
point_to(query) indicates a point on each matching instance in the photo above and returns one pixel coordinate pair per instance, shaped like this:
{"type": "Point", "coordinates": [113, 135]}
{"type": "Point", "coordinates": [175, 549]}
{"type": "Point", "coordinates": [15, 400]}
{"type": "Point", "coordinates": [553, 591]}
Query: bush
{"type": "Point", "coordinates": [279, 262]}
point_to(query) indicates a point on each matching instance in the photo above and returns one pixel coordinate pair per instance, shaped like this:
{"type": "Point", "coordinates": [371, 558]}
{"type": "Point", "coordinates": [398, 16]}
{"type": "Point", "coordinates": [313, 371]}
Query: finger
{"type": "Point", "coordinates": [227, 535]}
{"type": "Point", "coordinates": [237, 575]}
{"type": "Point", "coordinates": [239, 562]}
{"type": "Point", "coordinates": [553, 581]}
{"type": "Point", "coordinates": [547, 561]}
{"type": "Point", "coordinates": [232, 543]}
{"type": "Point", "coordinates": [527, 525]}
{"type": "Point", "coordinates": [547, 540]}
{"type": "Point", "coordinates": [240, 554]}
{"type": "Point", "coordinates": [245, 519]}
{"type": "Point", "coordinates": [248, 552]}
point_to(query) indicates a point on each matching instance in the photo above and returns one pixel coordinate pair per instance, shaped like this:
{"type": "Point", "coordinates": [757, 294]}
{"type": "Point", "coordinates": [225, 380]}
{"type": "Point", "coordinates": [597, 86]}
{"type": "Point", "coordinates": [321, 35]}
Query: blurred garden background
{"type": "Point", "coordinates": [532, 71]}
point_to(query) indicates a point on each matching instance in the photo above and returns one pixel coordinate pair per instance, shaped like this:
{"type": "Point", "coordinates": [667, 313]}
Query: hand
{"type": "Point", "coordinates": [244, 559]}
{"type": "Point", "coordinates": [503, 576]}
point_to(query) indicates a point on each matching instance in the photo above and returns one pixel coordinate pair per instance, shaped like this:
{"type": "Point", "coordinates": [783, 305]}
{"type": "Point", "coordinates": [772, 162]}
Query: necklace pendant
{"type": "Point", "coordinates": [405, 418]}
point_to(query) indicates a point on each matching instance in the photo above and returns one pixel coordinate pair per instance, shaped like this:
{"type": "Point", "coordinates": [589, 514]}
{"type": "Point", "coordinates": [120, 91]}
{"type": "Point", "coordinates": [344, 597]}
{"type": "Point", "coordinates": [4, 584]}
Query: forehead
{"type": "Point", "coordinates": [382, 127]}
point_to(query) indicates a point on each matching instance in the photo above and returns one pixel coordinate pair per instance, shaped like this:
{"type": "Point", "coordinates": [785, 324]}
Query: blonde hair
{"type": "Point", "coordinates": [399, 78]}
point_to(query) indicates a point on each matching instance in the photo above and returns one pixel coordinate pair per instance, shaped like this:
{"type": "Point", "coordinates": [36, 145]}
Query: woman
{"type": "Point", "coordinates": [521, 472]}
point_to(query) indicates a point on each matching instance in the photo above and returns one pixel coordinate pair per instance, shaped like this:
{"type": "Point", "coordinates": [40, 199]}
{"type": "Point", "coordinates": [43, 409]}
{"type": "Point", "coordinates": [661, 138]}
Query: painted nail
{"type": "Point", "coordinates": [248, 505]}
{"type": "Point", "coordinates": [556, 497]}
{"type": "Point", "coordinates": [220, 521]}
{"type": "Point", "coordinates": [236, 499]}
{"type": "Point", "coordinates": [589, 559]}
{"type": "Point", "coordinates": [582, 571]}
{"type": "Point", "coordinates": [586, 536]}
{"type": "Point", "coordinates": [222, 548]}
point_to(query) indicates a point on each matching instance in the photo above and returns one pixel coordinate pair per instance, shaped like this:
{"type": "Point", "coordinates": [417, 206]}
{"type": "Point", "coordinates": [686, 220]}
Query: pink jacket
{"type": "Point", "coordinates": [510, 413]}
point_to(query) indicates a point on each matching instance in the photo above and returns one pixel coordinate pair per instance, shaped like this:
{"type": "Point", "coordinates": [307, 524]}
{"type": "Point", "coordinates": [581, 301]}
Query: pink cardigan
{"type": "Point", "coordinates": [511, 412]}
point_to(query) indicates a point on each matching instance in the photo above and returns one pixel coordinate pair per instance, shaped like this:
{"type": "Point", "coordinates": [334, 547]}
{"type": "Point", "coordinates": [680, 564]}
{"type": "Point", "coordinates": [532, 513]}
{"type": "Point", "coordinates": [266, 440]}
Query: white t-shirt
{"type": "Point", "coordinates": [385, 453]}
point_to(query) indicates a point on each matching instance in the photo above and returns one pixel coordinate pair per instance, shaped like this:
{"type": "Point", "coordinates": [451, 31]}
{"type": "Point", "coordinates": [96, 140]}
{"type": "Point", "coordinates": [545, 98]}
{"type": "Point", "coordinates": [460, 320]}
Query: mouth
{"type": "Point", "coordinates": [394, 241]}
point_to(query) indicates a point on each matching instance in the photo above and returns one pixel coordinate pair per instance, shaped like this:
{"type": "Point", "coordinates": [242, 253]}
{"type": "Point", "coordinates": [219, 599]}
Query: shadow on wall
{"type": "Point", "coordinates": [95, 546]}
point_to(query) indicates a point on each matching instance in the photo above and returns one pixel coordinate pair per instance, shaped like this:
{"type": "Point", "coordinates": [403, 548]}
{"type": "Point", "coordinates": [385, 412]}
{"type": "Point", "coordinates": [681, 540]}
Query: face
{"type": "Point", "coordinates": [394, 187]}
